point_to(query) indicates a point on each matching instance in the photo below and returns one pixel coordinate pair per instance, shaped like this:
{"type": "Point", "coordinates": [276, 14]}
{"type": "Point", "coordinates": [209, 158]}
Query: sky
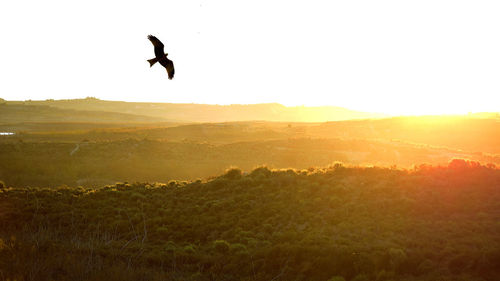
{"type": "Point", "coordinates": [396, 57]}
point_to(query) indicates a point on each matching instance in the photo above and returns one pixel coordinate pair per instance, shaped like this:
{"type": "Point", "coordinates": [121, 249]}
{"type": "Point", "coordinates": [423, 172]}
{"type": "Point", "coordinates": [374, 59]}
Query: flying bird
{"type": "Point", "coordinates": [161, 56]}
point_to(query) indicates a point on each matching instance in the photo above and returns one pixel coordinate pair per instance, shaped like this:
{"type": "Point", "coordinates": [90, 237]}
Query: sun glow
{"type": "Point", "coordinates": [393, 57]}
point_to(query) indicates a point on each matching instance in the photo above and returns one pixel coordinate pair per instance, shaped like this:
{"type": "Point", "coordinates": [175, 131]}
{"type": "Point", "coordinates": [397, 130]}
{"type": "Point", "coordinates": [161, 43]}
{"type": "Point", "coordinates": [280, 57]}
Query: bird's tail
{"type": "Point", "coordinates": [152, 61]}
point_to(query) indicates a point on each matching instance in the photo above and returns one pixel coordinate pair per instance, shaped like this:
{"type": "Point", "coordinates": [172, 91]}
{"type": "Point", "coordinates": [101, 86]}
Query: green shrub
{"type": "Point", "coordinates": [238, 248]}
{"type": "Point", "coordinates": [233, 174]}
{"type": "Point", "coordinates": [221, 246]}
{"type": "Point", "coordinates": [162, 230]}
{"type": "Point", "coordinates": [261, 172]}
{"type": "Point", "coordinates": [190, 249]}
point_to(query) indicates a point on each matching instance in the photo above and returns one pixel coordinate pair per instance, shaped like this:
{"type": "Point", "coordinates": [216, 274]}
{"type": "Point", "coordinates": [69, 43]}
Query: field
{"type": "Point", "coordinates": [90, 194]}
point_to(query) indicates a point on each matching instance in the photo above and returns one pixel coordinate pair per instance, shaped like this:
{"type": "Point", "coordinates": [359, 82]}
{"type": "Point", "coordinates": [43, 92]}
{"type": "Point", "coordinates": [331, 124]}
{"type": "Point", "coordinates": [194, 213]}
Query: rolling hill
{"type": "Point", "coordinates": [18, 113]}
{"type": "Point", "coordinates": [210, 113]}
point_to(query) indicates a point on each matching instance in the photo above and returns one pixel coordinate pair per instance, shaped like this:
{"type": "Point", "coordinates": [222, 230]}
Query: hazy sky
{"type": "Point", "coordinates": [397, 57]}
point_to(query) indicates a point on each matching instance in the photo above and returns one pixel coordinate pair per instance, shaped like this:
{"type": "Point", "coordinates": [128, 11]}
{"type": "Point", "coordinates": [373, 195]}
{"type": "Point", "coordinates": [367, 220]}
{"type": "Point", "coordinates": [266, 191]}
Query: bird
{"type": "Point", "coordinates": [161, 56]}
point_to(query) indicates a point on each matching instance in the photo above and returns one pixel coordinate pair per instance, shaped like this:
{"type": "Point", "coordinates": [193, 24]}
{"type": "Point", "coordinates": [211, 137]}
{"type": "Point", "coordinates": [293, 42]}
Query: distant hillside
{"type": "Point", "coordinates": [98, 160]}
{"type": "Point", "coordinates": [16, 113]}
{"type": "Point", "coordinates": [211, 113]}
{"type": "Point", "coordinates": [468, 133]}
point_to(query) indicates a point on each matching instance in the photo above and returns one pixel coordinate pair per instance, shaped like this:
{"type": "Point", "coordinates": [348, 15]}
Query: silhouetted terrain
{"type": "Point", "coordinates": [471, 133]}
{"type": "Point", "coordinates": [98, 190]}
{"type": "Point", "coordinates": [459, 132]}
{"type": "Point", "coordinates": [113, 147]}
{"type": "Point", "coordinates": [16, 113]}
{"type": "Point", "coordinates": [338, 223]}
{"type": "Point", "coordinates": [105, 162]}
{"type": "Point", "coordinates": [210, 113]}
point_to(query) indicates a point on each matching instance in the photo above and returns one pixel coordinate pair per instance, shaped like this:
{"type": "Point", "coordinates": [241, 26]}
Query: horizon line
{"type": "Point", "coordinates": [265, 103]}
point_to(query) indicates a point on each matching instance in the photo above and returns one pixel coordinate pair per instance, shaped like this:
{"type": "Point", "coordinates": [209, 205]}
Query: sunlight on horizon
{"type": "Point", "coordinates": [391, 57]}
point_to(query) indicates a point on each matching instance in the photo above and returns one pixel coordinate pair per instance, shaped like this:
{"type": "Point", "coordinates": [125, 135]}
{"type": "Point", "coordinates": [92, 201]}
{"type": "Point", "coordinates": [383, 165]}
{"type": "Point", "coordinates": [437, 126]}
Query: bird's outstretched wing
{"type": "Point", "coordinates": [159, 52]}
{"type": "Point", "coordinates": [169, 65]}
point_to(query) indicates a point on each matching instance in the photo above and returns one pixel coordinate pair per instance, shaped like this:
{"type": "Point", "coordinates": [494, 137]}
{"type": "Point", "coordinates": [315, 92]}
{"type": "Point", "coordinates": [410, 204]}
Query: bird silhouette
{"type": "Point", "coordinates": [161, 56]}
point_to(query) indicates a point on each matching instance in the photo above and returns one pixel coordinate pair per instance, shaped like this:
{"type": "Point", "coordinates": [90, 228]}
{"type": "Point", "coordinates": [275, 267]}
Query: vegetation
{"type": "Point", "coordinates": [93, 164]}
{"type": "Point", "coordinates": [335, 223]}
{"type": "Point", "coordinates": [15, 113]}
{"type": "Point", "coordinates": [209, 113]}
{"type": "Point", "coordinates": [382, 216]}
{"type": "Point", "coordinates": [91, 154]}
{"type": "Point", "coordinates": [473, 132]}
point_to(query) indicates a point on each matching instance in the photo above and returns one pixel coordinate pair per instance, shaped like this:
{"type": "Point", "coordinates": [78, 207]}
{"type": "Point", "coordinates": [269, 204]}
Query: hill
{"type": "Point", "coordinates": [468, 133]}
{"type": "Point", "coordinates": [90, 194]}
{"type": "Point", "coordinates": [337, 223]}
{"type": "Point", "coordinates": [93, 154]}
{"type": "Point", "coordinates": [18, 113]}
{"type": "Point", "coordinates": [472, 133]}
{"type": "Point", "coordinates": [95, 163]}
{"type": "Point", "coordinates": [210, 113]}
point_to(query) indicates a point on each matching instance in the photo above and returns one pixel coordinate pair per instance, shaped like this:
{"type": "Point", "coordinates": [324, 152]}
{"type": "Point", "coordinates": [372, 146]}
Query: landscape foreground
{"type": "Point", "coordinates": [335, 223]}
{"type": "Point", "coordinates": [99, 190]}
